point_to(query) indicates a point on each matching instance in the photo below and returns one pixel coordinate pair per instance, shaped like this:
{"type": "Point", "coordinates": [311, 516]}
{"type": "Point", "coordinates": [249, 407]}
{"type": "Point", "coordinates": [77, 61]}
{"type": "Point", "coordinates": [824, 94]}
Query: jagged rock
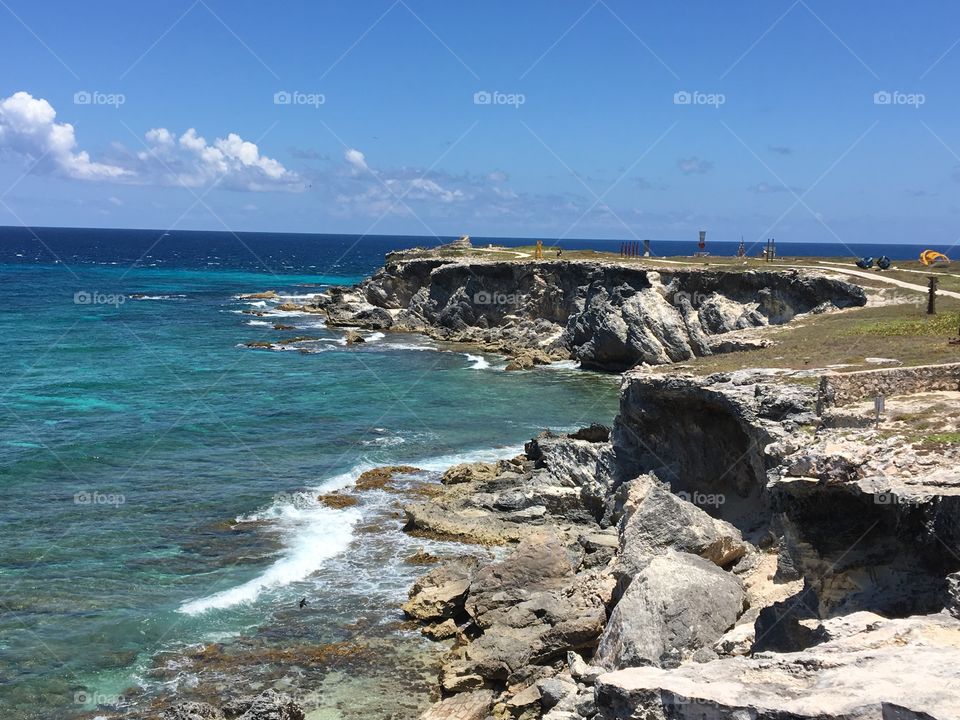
{"type": "Point", "coordinates": [527, 359]}
{"type": "Point", "coordinates": [441, 631]}
{"type": "Point", "coordinates": [440, 593]}
{"type": "Point", "coordinates": [353, 337]}
{"type": "Point", "coordinates": [540, 563]}
{"type": "Point", "coordinates": [580, 463]}
{"type": "Point", "coordinates": [531, 609]}
{"type": "Point", "coordinates": [953, 594]}
{"type": "Point", "coordinates": [465, 706]}
{"type": "Point", "coordinates": [470, 472]}
{"type": "Point", "coordinates": [595, 433]}
{"type": "Point", "coordinates": [904, 668]}
{"type": "Point", "coordinates": [581, 671]}
{"type": "Point", "coordinates": [655, 519]}
{"type": "Point", "coordinates": [609, 316]}
{"type": "Point", "coordinates": [268, 705]}
{"type": "Point", "coordinates": [192, 711]}
{"type": "Point", "coordinates": [677, 604]}
{"type": "Point", "coordinates": [738, 640]}
{"type": "Point", "coordinates": [555, 690]}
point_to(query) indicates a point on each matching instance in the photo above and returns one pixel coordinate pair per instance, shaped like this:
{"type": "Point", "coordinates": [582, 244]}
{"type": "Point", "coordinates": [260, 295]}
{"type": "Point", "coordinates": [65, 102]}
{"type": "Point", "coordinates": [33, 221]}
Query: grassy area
{"type": "Point", "coordinates": [943, 324]}
{"type": "Point", "coordinates": [848, 338]}
{"type": "Point", "coordinates": [903, 331]}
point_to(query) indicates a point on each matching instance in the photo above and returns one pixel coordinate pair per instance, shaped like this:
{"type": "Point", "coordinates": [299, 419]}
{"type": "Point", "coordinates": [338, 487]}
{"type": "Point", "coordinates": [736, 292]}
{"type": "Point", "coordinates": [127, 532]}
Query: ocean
{"type": "Point", "coordinates": [159, 522]}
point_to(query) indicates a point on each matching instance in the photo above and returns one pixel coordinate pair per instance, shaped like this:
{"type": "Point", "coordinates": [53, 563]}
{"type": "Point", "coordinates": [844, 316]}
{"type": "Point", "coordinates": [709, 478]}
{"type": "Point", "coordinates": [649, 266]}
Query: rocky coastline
{"type": "Point", "coordinates": [606, 315]}
{"type": "Point", "coordinates": [729, 548]}
{"type": "Point", "coordinates": [721, 553]}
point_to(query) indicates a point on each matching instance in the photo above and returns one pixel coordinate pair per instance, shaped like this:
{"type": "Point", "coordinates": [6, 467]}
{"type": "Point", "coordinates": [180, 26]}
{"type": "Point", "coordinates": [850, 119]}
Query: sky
{"type": "Point", "coordinates": [806, 120]}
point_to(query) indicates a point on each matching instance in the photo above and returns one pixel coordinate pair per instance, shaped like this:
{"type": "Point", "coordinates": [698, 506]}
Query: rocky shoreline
{"type": "Point", "coordinates": [605, 315]}
{"type": "Point", "coordinates": [781, 571]}
{"type": "Point", "coordinates": [729, 548]}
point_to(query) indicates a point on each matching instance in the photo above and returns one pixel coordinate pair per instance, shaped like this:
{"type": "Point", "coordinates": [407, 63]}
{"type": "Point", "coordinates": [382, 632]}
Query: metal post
{"type": "Point", "coordinates": [932, 296]}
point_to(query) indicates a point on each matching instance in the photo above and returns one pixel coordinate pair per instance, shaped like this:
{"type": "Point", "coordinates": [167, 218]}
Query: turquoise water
{"type": "Point", "coordinates": [159, 477]}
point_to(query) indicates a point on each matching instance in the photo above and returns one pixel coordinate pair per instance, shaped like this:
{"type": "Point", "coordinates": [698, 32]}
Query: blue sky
{"type": "Point", "coordinates": [584, 134]}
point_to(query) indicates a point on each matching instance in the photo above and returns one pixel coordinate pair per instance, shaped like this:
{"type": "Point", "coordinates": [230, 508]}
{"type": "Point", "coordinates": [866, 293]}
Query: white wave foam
{"type": "Point", "coordinates": [373, 337]}
{"type": "Point", "coordinates": [159, 297]}
{"type": "Point", "coordinates": [479, 362]}
{"type": "Point", "coordinates": [315, 533]}
{"type": "Point", "coordinates": [260, 322]}
{"type": "Point", "coordinates": [563, 365]}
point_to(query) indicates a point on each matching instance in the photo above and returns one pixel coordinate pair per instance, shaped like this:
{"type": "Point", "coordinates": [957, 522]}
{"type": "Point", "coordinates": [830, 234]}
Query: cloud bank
{"type": "Point", "coordinates": [28, 130]}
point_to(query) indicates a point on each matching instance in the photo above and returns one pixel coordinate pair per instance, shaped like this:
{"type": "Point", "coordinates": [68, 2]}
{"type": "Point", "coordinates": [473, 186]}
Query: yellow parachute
{"type": "Point", "coordinates": [932, 257]}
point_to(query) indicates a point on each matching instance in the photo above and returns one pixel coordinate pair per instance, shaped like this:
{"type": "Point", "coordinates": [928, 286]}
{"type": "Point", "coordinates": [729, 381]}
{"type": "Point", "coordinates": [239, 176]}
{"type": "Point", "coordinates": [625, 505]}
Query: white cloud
{"type": "Point", "coordinates": [694, 166]}
{"type": "Point", "coordinates": [28, 128]}
{"type": "Point", "coordinates": [356, 159]}
{"type": "Point", "coordinates": [231, 161]}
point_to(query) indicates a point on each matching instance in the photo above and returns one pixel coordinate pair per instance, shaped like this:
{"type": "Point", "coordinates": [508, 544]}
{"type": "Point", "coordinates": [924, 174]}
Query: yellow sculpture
{"type": "Point", "coordinates": [538, 253]}
{"type": "Point", "coordinates": [932, 257]}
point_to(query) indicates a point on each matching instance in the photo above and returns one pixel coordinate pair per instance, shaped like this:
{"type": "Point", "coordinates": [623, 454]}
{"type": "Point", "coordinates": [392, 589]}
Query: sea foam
{"type": "Point", "coordinates": [314, 533]}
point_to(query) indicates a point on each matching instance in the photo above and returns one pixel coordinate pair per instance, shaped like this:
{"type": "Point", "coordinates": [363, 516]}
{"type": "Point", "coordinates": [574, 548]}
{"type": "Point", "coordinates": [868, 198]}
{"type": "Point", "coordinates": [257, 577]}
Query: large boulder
{"type": "Point", "coordinates": [540, 563]}
{"type": "Point", "coordinates": [655, 519]}
{"type": "Point", "coordinates": [529, 610]}
{"type": "Point", "coordinates": [677, 604]}
{"type": "Point", "coordinates": [439, 595]}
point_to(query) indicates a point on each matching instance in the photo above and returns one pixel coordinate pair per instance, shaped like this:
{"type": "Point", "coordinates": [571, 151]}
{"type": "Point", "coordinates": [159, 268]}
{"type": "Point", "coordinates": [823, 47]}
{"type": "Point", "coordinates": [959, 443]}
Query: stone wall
{"type": "Point", "coordinates": [841, 388]}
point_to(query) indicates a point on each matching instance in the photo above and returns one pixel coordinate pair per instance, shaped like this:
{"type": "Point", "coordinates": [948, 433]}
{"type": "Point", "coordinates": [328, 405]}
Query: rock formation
{"type": "Point", "coordinates": [607, 316]}
{"type": "Point", "coordinates": [723, 552]}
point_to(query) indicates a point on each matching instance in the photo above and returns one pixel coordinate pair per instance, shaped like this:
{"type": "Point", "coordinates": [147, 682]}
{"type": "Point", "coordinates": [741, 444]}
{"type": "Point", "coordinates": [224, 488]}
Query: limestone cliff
{"type": "Point", "coordinates": [608, 316]}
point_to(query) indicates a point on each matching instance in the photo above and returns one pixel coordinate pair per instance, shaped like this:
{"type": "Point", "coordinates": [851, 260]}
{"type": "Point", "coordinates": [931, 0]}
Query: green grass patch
{"type": "Point", "coordinates": [942, 325]}
{"type": "Point", "coordinates": [937, 441]}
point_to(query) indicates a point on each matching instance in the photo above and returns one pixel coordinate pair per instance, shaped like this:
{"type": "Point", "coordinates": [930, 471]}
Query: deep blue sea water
{"type": "Point", "coordinates": [159, 477]}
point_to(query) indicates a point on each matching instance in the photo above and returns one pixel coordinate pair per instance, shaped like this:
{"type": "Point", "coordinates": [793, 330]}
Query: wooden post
{"type": "Point", "coordinates": [932, 296]}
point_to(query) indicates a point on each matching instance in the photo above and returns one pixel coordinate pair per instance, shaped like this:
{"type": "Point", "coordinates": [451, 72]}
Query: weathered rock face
{"type": "Point", "coordinates": [529, 610]}
{"type": "Point", "coordinates": [864, 534]}
{"type": "Point", "coordinates": [269, 705]}
{"type": "Point", "coordinates": [440, 594]}
{"type": "Point", "coordinates": [753, 562]}
{"type": "Point", "coordinates": [675, 605]}
{"type": "Point", "coordinates": [896, 669]}
{"type": "Point", "coordinates": [655, 520]}
{"type": "Point", "coordinates": [605, 315]}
